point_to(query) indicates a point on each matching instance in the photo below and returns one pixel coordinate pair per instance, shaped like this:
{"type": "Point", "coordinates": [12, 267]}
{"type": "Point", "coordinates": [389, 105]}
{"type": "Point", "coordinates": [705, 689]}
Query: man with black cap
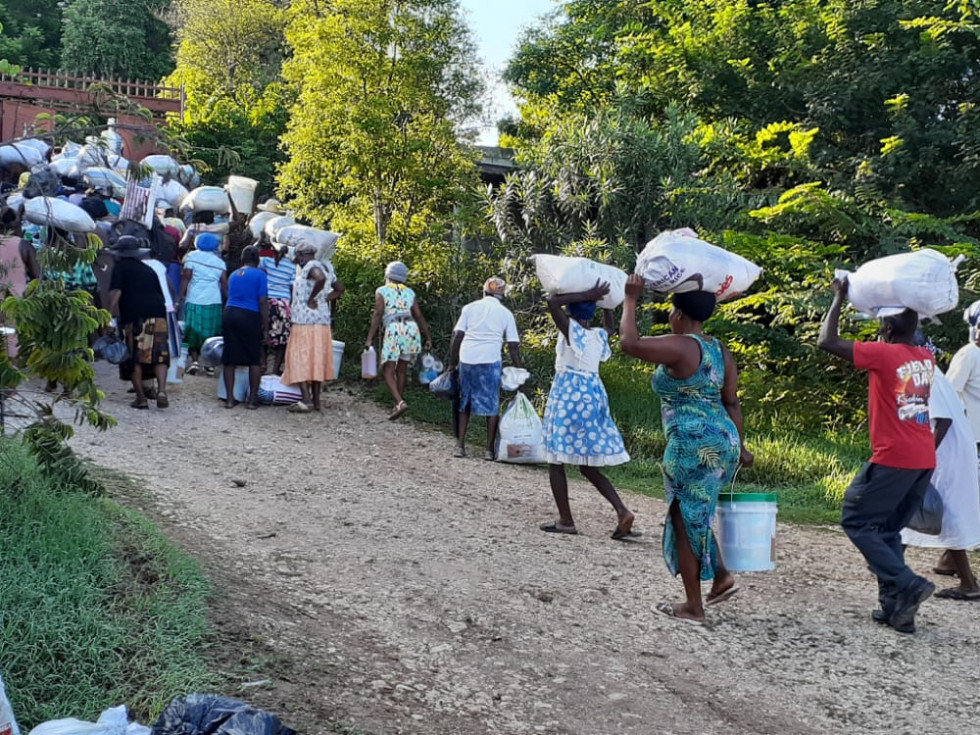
{"type": "Point", "coordinates": [137, 301]}
{"type": "Point", "coordinates": [888, 489]}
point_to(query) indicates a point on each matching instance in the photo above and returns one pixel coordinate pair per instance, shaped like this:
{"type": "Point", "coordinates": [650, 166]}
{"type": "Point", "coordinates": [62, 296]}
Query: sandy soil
{"type": "Point", "coordinates": [365, 576]}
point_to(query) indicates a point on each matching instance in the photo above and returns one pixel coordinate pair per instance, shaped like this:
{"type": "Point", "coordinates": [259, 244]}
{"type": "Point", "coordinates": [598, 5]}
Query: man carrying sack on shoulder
{"type": "Point", "coordinates": [889, 488]}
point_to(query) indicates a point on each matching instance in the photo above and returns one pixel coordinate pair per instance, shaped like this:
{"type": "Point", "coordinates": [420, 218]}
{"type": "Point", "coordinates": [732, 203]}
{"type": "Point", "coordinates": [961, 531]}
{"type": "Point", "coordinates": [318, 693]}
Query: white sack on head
{"type": "Point", "coordinates": [258, 222]}
{"type": "Point", "coordinates": [20, 153]}
{"type": "Point", "coordinates": [173, 192]}
{"type": "Point", "coordinates": [207, 199]}
{"type": "Point", "coordinates": [272, 226]}
{"type": "Point", "coordinates": [37, 144]}
{"type": "Point", "coordinates": [675, 261]}
{"type": "Point", "coordinates": [64, 167]}
{"type": "Point", "coordinates": [324, 241]}
{"type": "Point", "coordinates": [58, 213]}
{"type": "Point", "coordinates": [161, 164]}
{"type": "Point", "coordinates": [560, 274]}
{"type": "Point", "coordinates": [924, 281]}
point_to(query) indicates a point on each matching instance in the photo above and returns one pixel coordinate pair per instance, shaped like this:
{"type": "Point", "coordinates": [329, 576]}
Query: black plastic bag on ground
{"type": "Point", "coordinates": [210, 714]}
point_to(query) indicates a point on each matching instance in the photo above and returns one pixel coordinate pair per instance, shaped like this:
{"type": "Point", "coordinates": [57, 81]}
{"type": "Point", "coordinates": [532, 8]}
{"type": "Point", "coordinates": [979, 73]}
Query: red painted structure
{"type": "Point", "coordinates": [34, 91]}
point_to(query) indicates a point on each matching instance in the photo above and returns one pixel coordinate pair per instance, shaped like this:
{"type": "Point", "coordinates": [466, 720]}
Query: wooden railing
{"type": "Point", "coordinates": [66, 80]}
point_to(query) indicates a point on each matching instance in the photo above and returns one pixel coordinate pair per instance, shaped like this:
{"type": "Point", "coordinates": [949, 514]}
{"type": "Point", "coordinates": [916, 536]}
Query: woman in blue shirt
{"type": "Point", "coordinates": [245, 321]}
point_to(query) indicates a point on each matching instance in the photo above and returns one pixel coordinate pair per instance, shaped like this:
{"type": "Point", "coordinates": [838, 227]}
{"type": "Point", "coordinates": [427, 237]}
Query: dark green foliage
{"type": "Point", "coordinates": [31, 32]}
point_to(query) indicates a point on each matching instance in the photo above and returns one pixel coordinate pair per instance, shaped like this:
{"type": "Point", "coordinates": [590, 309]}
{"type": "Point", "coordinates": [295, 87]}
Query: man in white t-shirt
{"type": "Point", "coordinates": [483, 327]}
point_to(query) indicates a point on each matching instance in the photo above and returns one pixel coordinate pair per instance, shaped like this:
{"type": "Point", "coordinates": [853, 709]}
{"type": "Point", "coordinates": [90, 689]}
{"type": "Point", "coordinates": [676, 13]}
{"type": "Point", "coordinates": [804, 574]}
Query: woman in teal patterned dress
{"type": "Point", "coordinates": [697, 382]}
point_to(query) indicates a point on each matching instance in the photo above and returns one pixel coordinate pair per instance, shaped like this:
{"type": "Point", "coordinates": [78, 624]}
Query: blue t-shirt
{"type": "Point", "coordinates": [246, 287]}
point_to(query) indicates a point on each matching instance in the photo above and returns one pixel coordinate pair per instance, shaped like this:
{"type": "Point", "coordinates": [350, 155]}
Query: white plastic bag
{"type": "Point", "coordinates": [513, 378]}
{"type": "Point", "coordinates": [521, 434]}
{"type": "Point", "coordinates": [113, 721]}
{"type": "Point", "coordinates": [560, 274]}
{"type": "Point", "coordinates": [431, 368]}
{"type": "Point", "coordinates": [8, 723]}
{"type": "Point", "coordinates": [207, 199]}
{"type": "Point", "coordinates": [675, 262]}
{"type": "Point", "coordinates": [924, 281]}
{"type": "Point", "coordinates": [57, 213]}
{"type": "Point", "coordinates": [324, 241]}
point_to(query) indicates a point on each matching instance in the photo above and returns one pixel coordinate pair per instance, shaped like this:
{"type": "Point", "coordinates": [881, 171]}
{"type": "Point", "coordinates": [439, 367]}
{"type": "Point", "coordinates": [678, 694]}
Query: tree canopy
{"type": "Point", "coordinates": [32, 32]}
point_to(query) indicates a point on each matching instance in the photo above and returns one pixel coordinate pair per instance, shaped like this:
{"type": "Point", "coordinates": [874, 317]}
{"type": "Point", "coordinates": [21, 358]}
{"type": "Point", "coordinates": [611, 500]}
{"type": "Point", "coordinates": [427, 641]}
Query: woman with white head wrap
{"type": "Point", "coordinates": [964, 370]}
{"type": "Point", "coordinates": [398, 309]}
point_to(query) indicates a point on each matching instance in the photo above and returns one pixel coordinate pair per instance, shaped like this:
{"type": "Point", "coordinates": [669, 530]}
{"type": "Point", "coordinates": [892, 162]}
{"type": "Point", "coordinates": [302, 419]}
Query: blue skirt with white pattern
{"type": "Point", "coordinates": [578, 428]}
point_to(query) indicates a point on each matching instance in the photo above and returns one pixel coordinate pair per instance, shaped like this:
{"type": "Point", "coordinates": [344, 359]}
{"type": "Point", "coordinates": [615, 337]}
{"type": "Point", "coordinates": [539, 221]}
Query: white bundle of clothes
{"type": "Point", "coordinates": [924, 281]}
{"type": "Point", "coordinates": [676, 261]}
{"type": "Point", "coordinates": [561, 274]}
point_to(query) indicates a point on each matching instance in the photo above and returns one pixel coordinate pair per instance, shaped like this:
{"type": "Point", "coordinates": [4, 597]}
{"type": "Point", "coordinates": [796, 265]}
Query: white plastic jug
{"type": "Point", "coordinates": [369, 364]}
{"type": "Point", "coordinates": [241, 189]}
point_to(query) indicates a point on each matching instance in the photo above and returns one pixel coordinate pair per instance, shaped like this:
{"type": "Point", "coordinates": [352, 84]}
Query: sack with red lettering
{"type": "Point", "coordinates": [924, 281]}
{"type": "Point", "coordinates": [676, 261]}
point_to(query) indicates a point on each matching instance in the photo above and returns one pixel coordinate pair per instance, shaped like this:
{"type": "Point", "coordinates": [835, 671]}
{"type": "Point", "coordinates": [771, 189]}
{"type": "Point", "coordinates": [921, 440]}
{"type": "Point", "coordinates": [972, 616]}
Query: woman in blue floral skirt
{"type": "Point", "coordinates": [578, 428]}
{"type": "Point", "coordinates": [697, 382]}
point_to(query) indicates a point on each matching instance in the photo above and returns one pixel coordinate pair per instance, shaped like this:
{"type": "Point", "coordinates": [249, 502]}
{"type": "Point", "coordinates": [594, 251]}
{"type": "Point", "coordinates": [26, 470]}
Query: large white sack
{"type": "Point", "coordinates": [21, 153]}
{"type": "Point", "coordinates": [521, 437]}
{"type": "Point", "coordinates": [675, 262]}
{"type": "Point", "coordinates": [65, 166]}
{"type": "Point", "coordinates": [561, 274]}
{"type": "Point", "coordinates": [173, 192]}
{"type": "Point", "coordinates": [188, 176]}
{"type": "Point", "coordinates": [70, 149]}
{"type": "Point", "coordinates": [57, 213]}
{"type": "Point", "coordinates": [258, 222]}
{"type": "Point", "coordinates": [275, 224]}
{"type": "Point", "coordinates": [161, 164]}
{"type": "Point", "coordinates": [37, 144]}
{"type": "Point", "coordinates": [924, 281]}
{"type": "Point", "coordinates": [241, 189]}
{"type": "Point", "coordinates": [207, 199]}
{"type": "Point", "coordinates": [106, 179]}
{"type": "Point", "coordinates": [324, 241]}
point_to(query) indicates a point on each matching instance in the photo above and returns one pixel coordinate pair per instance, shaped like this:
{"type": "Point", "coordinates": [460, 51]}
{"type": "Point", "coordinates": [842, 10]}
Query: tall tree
{"type": "Point", "coordinates": [227, 48]}
{"type": "Point", "coordinates": [32, 32]}
{"type": "Point", "coordinates": [384, 87]}
{"type": "Point", "coordinates": [117, 38]}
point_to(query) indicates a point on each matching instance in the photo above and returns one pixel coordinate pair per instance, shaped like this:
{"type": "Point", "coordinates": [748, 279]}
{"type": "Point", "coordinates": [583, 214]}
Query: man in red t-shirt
{"type": "Point", "coordinates": [889, 488]}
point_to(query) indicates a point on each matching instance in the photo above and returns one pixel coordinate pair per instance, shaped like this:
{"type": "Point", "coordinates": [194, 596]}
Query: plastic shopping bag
{"type": "Point", "coordinates": [445, 386]}
{"type": "Point", "coordinates": [560, 274]}
{"type": "Point", "coordinates": [513, 378]}
{"type": "Point", "coordinates": [113, 721]}
{"type": "Point", "coordinates": [928, 518]}
{"type": "Point", "coordinates": [924, 281]}
{"type": "Point", "coordinates": [521, 438]}
{"type": "Point", "coordinates": [209, 714]}
{"type": "Point", "coordinates": [675, 261]}
{"type": "Point", "coordinates": [430, 368]}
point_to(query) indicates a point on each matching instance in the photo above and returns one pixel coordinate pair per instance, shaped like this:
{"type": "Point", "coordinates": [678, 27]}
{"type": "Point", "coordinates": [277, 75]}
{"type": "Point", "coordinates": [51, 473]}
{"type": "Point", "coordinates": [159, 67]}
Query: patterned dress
{"type": "Point", "coordinates": [578, 428]}
{"type": "Point", "coordinates": [702, 452]}
{"type": "Point", "coordinates": [401, 335]}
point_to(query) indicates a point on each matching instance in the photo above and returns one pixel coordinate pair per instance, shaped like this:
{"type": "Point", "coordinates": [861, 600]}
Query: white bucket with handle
{"type": "Point", "coordinates": [747, 531]}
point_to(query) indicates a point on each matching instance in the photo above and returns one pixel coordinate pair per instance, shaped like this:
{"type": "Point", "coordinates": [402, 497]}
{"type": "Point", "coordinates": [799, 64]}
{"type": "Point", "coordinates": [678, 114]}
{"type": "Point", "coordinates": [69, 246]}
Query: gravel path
{"type": "Point", "coordinates": [377, 581]}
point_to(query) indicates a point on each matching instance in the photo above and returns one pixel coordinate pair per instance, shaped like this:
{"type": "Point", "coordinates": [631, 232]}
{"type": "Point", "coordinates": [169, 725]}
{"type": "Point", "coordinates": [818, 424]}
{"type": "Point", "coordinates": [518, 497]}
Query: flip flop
{"type": "Point", "coordinates": [726, 595]}
{"type": "Point", "coordinates": [398, 411]}
{"type": "Point", "coordinates": [140, 404]}
{"type": "Point", "coordinates": [667, 609]}
{"type": "Point", "coordinates": [944, 572]}
{"type": "Point", "coordinates": [555, 527]}
{"type": "Point", "coordinates": [299, 407]}
{"type": "Point", "coordinates": [620, 535]}
{"type": "Point", "coordinates": [956, 593]}
{"type": "Point", "coordinates": [162, 400]}
{"type": "Point", "coordinates": [459, 452]}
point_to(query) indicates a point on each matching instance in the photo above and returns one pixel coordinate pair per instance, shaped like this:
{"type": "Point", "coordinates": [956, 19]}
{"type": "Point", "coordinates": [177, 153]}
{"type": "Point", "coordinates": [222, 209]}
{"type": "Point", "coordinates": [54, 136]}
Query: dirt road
{"type": "Point", "coordinates": [377, 581]}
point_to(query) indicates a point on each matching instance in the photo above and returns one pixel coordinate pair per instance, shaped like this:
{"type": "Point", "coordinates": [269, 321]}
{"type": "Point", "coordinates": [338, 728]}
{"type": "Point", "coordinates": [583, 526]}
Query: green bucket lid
{"type": "Point", "coordinates": [748, 498]}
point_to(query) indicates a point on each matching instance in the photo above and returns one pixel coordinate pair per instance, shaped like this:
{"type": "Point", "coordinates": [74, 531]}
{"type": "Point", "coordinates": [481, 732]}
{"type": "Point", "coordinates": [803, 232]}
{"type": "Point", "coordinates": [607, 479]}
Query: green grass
{"type": "Point", "coordinates": [98, 609]}
{"type": "Point", "coordinates": [809, 471]}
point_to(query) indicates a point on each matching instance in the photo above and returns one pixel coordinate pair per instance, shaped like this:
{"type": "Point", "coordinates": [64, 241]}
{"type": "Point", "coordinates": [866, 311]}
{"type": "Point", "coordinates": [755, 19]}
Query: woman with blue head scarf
{"type": "Point", "coordinates": [578, 427]}
{"type": "Point", "coordinates": [202, 291]}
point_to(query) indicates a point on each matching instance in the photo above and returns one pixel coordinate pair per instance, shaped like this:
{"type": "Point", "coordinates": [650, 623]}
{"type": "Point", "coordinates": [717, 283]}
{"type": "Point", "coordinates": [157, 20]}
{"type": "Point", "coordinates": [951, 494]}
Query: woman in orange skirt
{"type": "Point", "coordinates": [309, 353]}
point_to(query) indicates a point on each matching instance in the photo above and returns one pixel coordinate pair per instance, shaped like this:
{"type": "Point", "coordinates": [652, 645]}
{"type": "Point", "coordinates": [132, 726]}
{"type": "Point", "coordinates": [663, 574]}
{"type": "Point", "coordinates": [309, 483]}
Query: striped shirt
{"type": "Point", "coordinates": [280, 276]}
